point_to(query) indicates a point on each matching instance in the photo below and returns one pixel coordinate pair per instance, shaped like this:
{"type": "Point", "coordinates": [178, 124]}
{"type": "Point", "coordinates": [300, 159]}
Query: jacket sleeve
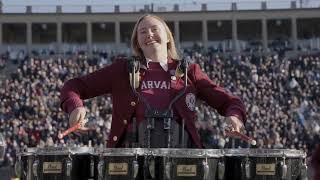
{"type": "Point", "coordinates": [216, 96]}
{"type": "Point", "coordinates": [76, 90]}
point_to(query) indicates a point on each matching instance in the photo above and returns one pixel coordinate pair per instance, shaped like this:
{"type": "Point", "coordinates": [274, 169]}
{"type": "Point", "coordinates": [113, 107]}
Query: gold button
{"type": "Point", "coordinates": [133, 103]}
{"type": "Point", "coordinates": [125, 121]}
{"type": "Point", "coordinates": [115, 138]}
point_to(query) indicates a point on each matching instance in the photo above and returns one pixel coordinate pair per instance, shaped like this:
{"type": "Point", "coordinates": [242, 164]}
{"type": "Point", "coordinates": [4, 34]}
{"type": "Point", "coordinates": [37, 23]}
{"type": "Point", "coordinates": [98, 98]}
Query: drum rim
{"type": "Point", "coordinates": [120, 151]}
{"type": "Point", "coordinates": [187, 152]}
{"type": "Point", "coordinates": [27, 151]}
{"type": "Point", "coordinates": [168, 152]}
{"type": "Point", "coordinates": [57, 151]}
{"type": "Point", "coordinates": [265, 152]}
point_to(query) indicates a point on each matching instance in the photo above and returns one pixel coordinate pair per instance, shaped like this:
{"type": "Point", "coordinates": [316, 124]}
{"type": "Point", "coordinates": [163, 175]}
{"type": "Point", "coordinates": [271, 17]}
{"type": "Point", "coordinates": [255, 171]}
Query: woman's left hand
{"type": "Point", "coordinates": [234, 124]}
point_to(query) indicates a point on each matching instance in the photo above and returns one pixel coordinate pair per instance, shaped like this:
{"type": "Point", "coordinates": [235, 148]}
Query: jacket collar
{"type": "Point", "coordinates": [164, 65]}
{"type": "Point", "coordinates": [170, 65]}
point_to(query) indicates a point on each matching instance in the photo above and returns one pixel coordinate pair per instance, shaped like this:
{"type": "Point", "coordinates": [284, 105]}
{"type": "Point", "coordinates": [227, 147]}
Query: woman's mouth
{"type": "Point", "coordinates": [151, 42]}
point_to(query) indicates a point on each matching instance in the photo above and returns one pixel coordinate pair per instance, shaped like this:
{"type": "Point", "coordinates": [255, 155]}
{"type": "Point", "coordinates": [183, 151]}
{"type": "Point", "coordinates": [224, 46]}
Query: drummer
{"type": "Point", "coordinates": [155, 96]}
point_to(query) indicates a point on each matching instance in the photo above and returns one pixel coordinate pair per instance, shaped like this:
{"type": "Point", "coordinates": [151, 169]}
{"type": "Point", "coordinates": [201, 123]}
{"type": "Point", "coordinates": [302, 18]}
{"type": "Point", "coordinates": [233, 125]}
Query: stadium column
{"type": "Point", "coordinates": [177, 33]}
{"type": "Point", "coordinates": [117, 31]}
{"type": "Point", "coordinates": [59, 37]}
{"type": "Point", "coordinates": [89, 38]}
{"type": "Point", "coordinates": [294, 34]}
{"type": "Point", "coordinates": [235, 35]}
{"type": "Point", "coordinates": [205, 34]}
{"type": "Point", "coordinates": [29, 37]}
{"type": "Point", "coordinates": [1, 42]}
{"type": "Point", "coordinates": [264, 34]}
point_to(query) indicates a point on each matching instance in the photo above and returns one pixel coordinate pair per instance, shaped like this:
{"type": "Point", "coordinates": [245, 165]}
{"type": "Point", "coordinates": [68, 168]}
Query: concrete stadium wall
{"type": "Point", "coordinates": [176, 18]}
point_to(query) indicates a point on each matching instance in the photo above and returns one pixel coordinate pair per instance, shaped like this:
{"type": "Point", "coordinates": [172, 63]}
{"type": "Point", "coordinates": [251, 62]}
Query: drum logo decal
{"type": "Point", "coordinates": [52, 167]}
{"type": "Point", "coordinates": [187, 170]}
{"type": "Point", "coordinates": [191, 101]}
{"type": "Point", "coordinates": [118, 169]}
{"type": "Point", "coordinates": [266, 169]}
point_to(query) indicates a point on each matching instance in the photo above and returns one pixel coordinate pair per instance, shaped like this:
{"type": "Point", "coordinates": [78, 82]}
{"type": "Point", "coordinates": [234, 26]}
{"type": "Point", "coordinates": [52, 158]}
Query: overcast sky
{"type": "Point", "coordinates": [38, 5]}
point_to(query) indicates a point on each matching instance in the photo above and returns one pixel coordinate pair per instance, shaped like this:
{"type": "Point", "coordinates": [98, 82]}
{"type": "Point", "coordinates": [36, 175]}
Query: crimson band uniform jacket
{"type": "Point", "coordinates": [114, 80]}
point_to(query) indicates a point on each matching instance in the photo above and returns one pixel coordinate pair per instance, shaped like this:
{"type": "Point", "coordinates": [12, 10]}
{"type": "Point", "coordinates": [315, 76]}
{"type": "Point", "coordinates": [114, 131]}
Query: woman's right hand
{"type": "Point", "coordinates": [78, 116]}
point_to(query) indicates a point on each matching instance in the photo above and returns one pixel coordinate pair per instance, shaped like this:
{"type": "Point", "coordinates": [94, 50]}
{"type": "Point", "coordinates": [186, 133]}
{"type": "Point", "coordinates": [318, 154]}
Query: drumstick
{"type": "Point", "coordinates": [241, 136]}
{"type": "Point", "coordinates": [70, 130]}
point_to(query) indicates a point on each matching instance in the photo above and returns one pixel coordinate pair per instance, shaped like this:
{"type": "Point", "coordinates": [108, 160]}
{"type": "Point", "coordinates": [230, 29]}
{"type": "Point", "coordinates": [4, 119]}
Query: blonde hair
{"type": "Point", "coordinates": [171, 47]}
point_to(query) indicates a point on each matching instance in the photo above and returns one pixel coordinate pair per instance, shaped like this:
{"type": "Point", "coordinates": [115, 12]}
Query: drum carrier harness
{"type": "Point", "coordinates": [152, 115]}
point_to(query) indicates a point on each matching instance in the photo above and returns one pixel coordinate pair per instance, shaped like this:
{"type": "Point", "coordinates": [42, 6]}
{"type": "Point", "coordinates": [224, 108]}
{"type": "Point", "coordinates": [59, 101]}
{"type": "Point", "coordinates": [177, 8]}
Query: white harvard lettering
{"type": "Point", "coordinates": [155, 85]}
{"type": "Point", "coordinates": [164, 85]}
{"type": "Point", "coordinates": [150, 84]}
{"type": "Point", "coordinates": [144, 86]}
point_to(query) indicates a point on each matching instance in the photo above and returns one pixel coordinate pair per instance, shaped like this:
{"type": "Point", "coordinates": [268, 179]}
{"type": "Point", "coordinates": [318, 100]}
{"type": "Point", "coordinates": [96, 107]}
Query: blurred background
{"type": "Point", "coordinates": [266, 52]}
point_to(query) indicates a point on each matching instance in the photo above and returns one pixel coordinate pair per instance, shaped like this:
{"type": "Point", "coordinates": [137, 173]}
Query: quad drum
{"type": "Point", "coordinates": [84, 163]}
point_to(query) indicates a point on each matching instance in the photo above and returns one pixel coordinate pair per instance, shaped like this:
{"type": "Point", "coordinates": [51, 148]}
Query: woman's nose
{"type": "Point", "coordinates": [149, 33]}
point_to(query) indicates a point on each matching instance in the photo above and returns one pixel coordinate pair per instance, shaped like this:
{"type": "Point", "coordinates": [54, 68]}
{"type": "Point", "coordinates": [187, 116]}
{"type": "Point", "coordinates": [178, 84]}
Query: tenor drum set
{"type": "Point", "coordinates": [87, 163]}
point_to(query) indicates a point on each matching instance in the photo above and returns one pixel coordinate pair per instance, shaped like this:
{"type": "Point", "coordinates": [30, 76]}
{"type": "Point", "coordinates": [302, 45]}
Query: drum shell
{"type": "Point", "coordinates": [117, 163]}
{"type": "Point", "coordinates": [26, 162]}
{"type": "Point", "coordinates": [125, 172]}
{"type": "Point", "coordinates": [82, 165]}
{"type": "Point", "coordinates": [160, 157]}
{"type": "Point", "coordinates": [194, 159]}
{"type": "Point", "coordinates": [195, 162]}
{"type": "Point", "coordinates": [236, 162]}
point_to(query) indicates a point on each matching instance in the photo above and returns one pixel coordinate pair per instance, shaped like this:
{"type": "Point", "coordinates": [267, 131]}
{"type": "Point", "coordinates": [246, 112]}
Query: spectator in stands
{"type": "Point", "coordinates": [161, 80]}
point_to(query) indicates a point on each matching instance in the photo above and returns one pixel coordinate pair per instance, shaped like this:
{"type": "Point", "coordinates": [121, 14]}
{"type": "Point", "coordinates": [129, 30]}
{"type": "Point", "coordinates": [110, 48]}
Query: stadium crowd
{"type": "Point", "coordinates": [281, 96]}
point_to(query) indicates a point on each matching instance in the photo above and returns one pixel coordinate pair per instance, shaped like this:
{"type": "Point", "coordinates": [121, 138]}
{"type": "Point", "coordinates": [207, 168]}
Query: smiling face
{"type": "Point", "coordinates": [152, 35]}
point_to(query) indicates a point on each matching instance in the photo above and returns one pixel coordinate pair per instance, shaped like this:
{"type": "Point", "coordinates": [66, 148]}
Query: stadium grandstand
{"type": "Point", "coordinates": [267, 54]}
